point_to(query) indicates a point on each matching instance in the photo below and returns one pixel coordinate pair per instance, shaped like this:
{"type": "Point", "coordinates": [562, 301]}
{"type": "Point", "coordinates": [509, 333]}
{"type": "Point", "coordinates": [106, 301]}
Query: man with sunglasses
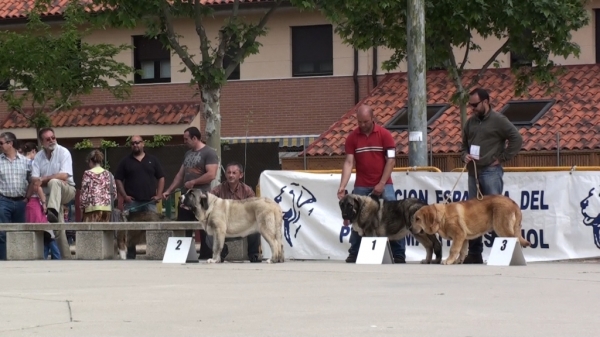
{"type": "Point", "coordinates": [140, 178]}
{"type": "Point", "coordinates": [140, 181]}
{"type": "Point", "coordinates": [13, 185]}
{"type": "Point", "coordinates": [52, 168]}
{"type": "Point", "coordinates": [484, 148]}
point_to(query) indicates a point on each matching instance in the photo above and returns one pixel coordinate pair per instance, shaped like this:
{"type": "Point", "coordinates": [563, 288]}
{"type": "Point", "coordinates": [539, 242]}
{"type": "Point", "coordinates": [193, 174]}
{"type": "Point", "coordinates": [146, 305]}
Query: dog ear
{"type": "Point", "coordinates": [204, 201]}
{"type": "Point", "coordinates": [429, 215]}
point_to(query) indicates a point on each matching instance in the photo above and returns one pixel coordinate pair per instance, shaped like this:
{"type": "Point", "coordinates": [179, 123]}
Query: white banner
{"type": "Point", "coordinates": [561, 211]}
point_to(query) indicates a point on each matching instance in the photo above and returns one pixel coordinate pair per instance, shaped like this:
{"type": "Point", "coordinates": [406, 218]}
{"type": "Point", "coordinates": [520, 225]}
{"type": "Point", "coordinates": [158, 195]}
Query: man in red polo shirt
{"type": "Point", "coordinates": [373, 149]}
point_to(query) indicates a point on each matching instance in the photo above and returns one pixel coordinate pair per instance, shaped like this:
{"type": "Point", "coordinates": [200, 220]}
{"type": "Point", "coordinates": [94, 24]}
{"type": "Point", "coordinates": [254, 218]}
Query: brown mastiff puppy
{"type": "Point", "coordinates": [465, 220]}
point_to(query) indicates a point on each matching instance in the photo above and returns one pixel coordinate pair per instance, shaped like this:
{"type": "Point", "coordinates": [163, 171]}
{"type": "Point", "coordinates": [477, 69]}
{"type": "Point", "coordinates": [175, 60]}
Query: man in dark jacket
{"type": "Point", "coordinates": [484, 144]}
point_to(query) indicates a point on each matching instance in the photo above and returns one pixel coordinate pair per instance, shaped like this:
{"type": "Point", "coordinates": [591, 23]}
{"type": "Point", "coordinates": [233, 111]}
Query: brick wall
{"type": "Point", "coordinates": [279, 107]}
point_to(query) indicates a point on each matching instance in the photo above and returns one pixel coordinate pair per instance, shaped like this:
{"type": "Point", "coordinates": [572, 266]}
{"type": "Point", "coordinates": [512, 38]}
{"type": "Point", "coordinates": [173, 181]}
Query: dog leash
{"type": "Point", "coordinates": [479, 194]}
{"type": "Point", "coordinates": [126, 212]}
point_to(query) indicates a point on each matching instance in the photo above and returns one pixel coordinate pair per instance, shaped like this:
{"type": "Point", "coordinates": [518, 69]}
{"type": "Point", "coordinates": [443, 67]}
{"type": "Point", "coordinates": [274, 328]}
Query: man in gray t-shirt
{"type": "Point", "coordinates": [194, 166]}
{"type": "Point", "coordinates": [198, 170]}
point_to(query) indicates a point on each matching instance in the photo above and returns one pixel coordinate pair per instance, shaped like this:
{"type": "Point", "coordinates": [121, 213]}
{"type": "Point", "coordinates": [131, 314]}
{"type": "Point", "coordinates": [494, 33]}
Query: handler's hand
{"type": "Point", "coordinates": [378, 189]}
{"type": "Point", "coordinates": [468, 158]}
{"type": "Point", "coordinates": [189, 185]}
{"type": "Point", "coordinates": [341, 193]}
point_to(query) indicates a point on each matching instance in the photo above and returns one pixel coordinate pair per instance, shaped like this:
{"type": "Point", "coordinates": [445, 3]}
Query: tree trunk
{"type": "Point", "coordinates": [463, 114]}
{"type": "Point", "coordinates": [417, 99]}
{"type": "Point", "coordinates": [212, 115]}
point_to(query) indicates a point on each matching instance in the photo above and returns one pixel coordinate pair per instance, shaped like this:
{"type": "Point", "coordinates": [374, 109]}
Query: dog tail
{"type": "Point", "coordinates": [517, 229]}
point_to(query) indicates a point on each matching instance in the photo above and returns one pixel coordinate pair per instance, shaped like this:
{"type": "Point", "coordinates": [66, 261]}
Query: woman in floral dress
{"type": "Point", "coordinates": [95, 195]}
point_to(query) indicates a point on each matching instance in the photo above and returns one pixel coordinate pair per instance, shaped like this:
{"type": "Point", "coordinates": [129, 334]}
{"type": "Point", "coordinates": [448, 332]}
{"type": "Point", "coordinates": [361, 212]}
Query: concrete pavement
{"type": "Point", "coordinates": [296, 298]}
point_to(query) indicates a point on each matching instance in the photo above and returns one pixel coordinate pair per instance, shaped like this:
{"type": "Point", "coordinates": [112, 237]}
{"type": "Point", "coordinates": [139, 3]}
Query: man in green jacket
{"type": "Point", "coordinates": [484, 143]}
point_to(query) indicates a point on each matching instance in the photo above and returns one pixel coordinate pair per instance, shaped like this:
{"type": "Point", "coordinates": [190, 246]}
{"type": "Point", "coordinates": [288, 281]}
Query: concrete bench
{"type": "Point", "coordinates": [96, 240]}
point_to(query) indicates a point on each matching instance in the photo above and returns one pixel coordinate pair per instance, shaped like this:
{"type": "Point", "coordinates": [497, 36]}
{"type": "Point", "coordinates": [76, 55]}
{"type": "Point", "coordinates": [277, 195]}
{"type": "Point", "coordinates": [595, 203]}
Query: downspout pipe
{"type": "Point", "coordinates": [355, 77]}
{"type": "Point", "coordinates": [375, 66]}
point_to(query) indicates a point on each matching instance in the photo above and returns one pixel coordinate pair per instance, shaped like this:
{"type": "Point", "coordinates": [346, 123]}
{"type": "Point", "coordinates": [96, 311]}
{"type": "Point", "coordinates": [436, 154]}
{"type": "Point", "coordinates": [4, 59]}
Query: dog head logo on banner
{"type": "Point", "coordinates": [590, 209]}
{"type": "Point", "coordinates": [300, 201]}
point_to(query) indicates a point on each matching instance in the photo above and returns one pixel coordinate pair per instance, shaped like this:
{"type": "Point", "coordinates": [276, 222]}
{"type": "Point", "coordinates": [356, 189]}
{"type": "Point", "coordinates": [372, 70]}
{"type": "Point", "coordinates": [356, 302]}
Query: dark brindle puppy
{"type": "Point", "coordinates": [371, 216]}
{"type": "Point", "coordinates": [131, 238]}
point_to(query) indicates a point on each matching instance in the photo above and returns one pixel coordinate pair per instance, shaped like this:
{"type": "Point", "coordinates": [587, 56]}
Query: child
{"type": "Point", "coordinates": [35, 209]}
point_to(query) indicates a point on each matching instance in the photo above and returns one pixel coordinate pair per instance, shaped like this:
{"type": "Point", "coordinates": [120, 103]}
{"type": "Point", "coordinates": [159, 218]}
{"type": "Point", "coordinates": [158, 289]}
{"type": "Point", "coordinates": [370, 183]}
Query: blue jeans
{"type": "Point", "coordinates": [490, 182]}
{"type": "Point", "coordinates": [51, 248]}
{"type": "Point", "coordinates": [147, 207]}
{"type": "Point", "coordinates": [398, 247]}
{"type": "Point", "coordinates": [11, 211]}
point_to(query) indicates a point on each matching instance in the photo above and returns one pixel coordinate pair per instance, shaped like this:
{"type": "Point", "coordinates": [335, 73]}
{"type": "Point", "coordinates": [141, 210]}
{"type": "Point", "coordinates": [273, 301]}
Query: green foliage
{"type": "Point", "coordinates": [157, 141]}
{"type": "Point", "coordinates": [84, 144]}
{"type": "Point", "coordinates": [236, 37]}
{"type": "Point", "coordinates": [534, 29]}
{"type": "Point", "coordinates": [49, 69]}
{"type": "Point", "coordinates": [105, 144]}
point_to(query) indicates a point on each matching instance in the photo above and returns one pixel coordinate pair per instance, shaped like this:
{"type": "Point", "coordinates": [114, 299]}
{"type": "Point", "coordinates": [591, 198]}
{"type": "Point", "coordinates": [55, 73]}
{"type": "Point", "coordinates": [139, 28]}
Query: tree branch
{"type": "Point", "coordinates": [168, 28]}
{"type": "Point", "coordinates": [454, 73]}
{"type": "Point", "coordinates": [62, 105]}
{"type": "Point", "coordinates": [466, 57]}
{"type": "Point", "coordinates": [224, 40]}
{"type": "Point", "coordinates": [201, 31]}
{"type": "Point", "coordinates": [489, 62]}
{"type": "Point", "coordinates": [250, 41]}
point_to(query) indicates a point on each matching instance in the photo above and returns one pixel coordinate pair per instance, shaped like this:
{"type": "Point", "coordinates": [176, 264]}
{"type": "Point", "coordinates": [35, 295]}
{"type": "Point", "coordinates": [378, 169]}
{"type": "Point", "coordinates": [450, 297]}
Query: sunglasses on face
{"type": "Point", "coordinates": [474, 105]}
{"type": "Point", "coordinates": [50, 138]}
{"type": "Point", "coordinates": [136, 142]}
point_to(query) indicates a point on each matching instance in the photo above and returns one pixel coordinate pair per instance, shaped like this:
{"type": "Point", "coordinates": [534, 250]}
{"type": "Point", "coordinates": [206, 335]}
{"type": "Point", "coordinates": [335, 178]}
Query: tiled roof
{"type": "Point", "coordinates": [13, 9]}
{"type": "Point", "coordinates": [575, 114]}
{"type": "Point", "coordinates": [118, 114]}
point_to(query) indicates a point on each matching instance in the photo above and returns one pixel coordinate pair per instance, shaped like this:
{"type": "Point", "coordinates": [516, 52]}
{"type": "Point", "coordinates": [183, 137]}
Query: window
{"type": "Point", "coordinates": [526, 112]}
{"type": "Point", "coordinates": [517, 60]}
{"type": "Point", "coordinates": [312, 50]}
{"type": "Point", "coordinates": [434, 111]}
{"type": "Point", "coordinates": [235, 75]}
{"type": "Point", "coordinates": [597, 28]}
{"type": "Point", "coordinates": [4, 84]}
{"type": "Point", "coordinates": [152, 59]}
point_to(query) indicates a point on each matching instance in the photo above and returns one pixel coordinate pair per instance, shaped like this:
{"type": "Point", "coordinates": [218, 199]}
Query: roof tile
{"type": "Point", "coordinates": [13, 9]}
{"type": "Point", "coordinates": [117, 114]}
{"type": "Point", "coordinates": [574, 115]}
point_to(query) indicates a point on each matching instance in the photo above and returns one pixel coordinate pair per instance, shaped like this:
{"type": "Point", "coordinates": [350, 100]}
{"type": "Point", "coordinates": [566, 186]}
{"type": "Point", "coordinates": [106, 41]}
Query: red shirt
{"type": "Point", "coordinates": [370, 154]}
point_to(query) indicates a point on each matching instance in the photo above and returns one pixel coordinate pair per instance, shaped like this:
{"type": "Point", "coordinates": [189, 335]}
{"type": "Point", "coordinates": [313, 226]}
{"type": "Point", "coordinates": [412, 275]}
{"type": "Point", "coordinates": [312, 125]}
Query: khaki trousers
{"type": "Point", "coordinates": [60, 193]}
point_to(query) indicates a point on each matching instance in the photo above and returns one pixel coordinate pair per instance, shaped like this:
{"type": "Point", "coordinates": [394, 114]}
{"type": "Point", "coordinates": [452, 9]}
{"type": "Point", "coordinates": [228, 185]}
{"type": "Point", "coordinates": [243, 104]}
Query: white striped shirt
{"type": "Point", "coordinates": [13, 176]}
{"type": "Point", "coordinates": [368, 149]}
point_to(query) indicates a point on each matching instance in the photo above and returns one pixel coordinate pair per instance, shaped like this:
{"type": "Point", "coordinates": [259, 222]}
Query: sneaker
{"type": "Point", "coordinates": [473, 259]}
{"type": "Point", "coordinates": [52, 215]}
{"type": "Point", "coordinates": [254, 258]}
{"type": "Point", "coordinates": [399, 259]}
{"type": "Point", "coordinates": [351, 258]}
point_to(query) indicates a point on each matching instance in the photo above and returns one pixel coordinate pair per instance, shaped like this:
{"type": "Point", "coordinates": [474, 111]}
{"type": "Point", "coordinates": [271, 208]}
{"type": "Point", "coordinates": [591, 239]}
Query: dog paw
{"type": "Point", "coordinates": [424, 261]}
{"type": "Point", "coordinates": [123, 254]}
{"type": "Point", "coordinates": [446, 262]}
{"type": "Point", "coordinates": [212, 261]}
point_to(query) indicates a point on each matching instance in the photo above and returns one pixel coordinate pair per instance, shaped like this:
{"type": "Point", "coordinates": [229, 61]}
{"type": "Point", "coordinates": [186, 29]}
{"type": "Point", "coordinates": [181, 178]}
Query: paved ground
{"type": "Point", "coordinates": [148, 298]}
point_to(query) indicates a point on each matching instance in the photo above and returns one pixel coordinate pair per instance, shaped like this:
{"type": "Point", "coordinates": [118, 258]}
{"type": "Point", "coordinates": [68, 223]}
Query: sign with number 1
{"type": "Point", "coordinates": [180, 250]}
{"type": "Point", "coordinates": [374, 250]}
